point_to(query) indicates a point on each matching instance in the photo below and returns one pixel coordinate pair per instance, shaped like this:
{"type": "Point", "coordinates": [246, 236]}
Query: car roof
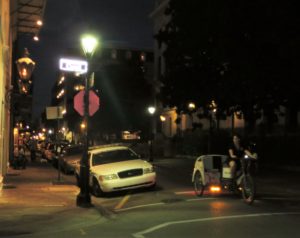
{"type": "Point", "coordinates": [103, 148]}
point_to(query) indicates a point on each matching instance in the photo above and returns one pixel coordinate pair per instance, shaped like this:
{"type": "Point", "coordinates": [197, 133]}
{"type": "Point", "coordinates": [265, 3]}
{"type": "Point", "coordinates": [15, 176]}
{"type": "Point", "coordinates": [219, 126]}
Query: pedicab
{"type": "Point", "coordinates": [212, 174]}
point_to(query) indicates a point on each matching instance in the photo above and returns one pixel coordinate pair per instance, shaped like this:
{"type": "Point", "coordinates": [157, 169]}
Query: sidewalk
{"type": "Point", "coordinates": [34, 186]}
{"type": "Point", "coordinates": [31, 203]}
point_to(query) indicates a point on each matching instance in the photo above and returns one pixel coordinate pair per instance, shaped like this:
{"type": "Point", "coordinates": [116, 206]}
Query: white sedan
{"type": "Point", "coordinates": [115, 168]}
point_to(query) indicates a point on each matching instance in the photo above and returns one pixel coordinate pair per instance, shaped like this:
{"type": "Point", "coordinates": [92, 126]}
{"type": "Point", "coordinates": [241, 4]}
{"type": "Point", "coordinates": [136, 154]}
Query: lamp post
{"type": "Point", "coordinates": [151, 111]}
{"type": "Point", "coordinates": [192, 107]}
{"type": "Point", "coordinates": [89, 44]}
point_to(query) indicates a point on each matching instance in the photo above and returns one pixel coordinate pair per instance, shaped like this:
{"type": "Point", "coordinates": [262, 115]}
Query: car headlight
{"type": "Point", "coordinates": [108, 177]}
{"type": "Point", "coordinates": [149, 170]}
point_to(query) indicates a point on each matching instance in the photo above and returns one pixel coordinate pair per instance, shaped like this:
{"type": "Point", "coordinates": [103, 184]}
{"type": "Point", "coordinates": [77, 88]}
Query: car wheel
{"type": "Point", "coordinates": [153, 186]}
{"type": "Point", "coordinates": [96, 189]}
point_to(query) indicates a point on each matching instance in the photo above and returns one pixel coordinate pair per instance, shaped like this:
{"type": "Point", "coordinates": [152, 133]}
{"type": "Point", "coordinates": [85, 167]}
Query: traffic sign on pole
{"type": "Point", "coordinates": [72, 65]}
{"type": "Point", "coordinates": [94, 102]}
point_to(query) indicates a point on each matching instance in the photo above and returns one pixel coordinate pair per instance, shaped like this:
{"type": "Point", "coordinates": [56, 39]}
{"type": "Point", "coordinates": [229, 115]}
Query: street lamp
{"type": "Point", "coordinates": [89, 44]}
{"type": "Point", "coordinates": [25, 67]}
{"type": "Point", "coordinates": [151, 111]}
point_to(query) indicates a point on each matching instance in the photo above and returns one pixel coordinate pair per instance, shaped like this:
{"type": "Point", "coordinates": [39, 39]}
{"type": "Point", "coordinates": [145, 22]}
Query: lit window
{"type": "Point", "coordinates": [36, 38]}
{"type": "Point", "coordinates": [61, 93]}
{"type": "Point", "coordinates": [143, 57]}
{"type": "Point", "coordinates": [62, 79]}
{"type": "Point", "coordinates": [39, 22]}
{"type": "Point", "coordinates": [78, 87]}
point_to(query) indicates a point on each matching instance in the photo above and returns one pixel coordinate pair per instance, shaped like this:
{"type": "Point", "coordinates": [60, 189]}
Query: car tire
{"type": "Point", "coordinates": [96, 189]}
{"type": "Point", "coordinates": [152, 187]}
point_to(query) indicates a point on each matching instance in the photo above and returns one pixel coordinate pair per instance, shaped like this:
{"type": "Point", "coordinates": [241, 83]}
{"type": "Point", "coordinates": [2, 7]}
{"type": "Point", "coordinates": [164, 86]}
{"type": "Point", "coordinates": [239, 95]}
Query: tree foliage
{"type": "Point", "coordinates": [242, 54]}
{"type": "Point", "coordinates": [124, 95]}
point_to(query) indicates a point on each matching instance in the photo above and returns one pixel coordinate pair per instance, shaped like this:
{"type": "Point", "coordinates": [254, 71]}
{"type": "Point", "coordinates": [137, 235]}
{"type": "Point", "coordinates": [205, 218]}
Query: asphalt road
{"type": "Point", "coordinates": [172, 209]}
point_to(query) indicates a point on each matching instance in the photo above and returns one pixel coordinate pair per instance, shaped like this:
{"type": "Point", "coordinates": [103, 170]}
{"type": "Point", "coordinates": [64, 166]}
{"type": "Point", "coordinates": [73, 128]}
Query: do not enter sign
{"type": "Point", "coordinates": [94, 102]}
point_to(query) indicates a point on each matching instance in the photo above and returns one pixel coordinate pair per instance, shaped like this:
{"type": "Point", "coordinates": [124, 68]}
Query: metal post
{"type": "Point", "coordinates": [57, 138]}
{"type": "Point", "coordinates": [152, 135]}
{"type": "Point", "coordinates": [84, 197]}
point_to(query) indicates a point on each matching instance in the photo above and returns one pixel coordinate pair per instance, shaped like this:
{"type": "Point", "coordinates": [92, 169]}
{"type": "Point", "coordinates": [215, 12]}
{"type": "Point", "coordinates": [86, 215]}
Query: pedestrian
{"type": "Point", "coordinates": [22, 157]}
{"type": "Point", "coordinates": [16, 157]}
{"type": "Point", "coordinates": [33, 148]}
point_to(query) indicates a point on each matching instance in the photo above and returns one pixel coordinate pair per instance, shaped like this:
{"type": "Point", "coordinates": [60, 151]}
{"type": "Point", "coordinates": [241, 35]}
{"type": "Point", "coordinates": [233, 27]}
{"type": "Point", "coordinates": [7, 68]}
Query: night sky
{"type": "Point", "coordinates": [122, 22]}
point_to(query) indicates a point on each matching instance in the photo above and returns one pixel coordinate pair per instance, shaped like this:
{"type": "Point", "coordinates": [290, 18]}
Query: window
{"type": "Point", "coordinates": [113, 156]}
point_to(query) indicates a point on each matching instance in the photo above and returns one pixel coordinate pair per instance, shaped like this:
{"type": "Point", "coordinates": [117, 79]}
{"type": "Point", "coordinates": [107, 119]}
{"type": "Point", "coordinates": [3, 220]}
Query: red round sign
{"type": "Point", "coordinates": [94, 102]}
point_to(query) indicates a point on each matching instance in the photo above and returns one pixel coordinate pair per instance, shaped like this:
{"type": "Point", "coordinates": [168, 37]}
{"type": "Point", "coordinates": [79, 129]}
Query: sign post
{"type": "Point", "coordinates": [55, 113]}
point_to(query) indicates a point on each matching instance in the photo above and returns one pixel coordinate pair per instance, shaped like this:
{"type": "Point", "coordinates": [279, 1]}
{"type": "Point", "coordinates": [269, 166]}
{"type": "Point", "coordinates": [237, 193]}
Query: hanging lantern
{"type": "Point", "coordinates": [25, 67]}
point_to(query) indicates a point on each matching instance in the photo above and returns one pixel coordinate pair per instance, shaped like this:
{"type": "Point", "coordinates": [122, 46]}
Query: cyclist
{"type": "Point", "coordinates": [236, 151]}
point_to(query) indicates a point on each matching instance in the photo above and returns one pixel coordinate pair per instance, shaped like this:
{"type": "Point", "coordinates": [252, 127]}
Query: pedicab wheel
{"type": "Point", "coordinates": [198, 184]}
{"type": "Point", "coordinates": [248, 189]}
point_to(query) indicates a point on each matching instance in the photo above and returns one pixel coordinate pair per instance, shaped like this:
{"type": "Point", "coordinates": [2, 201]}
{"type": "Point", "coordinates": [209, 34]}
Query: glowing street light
{"type": "Point", "coordinates": [89, 44]}
{"type": "Point", "coordinates": [151, 110]}
{"type": "Point", "coordinates": [191, 106]}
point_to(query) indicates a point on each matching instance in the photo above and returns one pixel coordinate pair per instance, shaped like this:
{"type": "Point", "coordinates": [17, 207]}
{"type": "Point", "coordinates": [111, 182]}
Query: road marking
{"type": "Point", "coordinates": [161, 226]}
{"type": "Point", "coordinates": [140, 206]}
{"type": "Point", "coordinates": [199, 199]}
{"type": "Point", "coordinates": [82, 232]}
{"type": "Point", "coordinates": [122, 202]}
{"type": "Point", "coordinates": [192, 192]}
{"type": "Point", "coordinates": [159, 203]}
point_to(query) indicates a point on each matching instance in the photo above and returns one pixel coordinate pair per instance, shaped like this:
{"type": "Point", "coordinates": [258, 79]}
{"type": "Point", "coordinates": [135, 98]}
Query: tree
{"type": "Point", "coordinates": [238, 53]}
{"type": "Point", "coordinates": [124, 96]}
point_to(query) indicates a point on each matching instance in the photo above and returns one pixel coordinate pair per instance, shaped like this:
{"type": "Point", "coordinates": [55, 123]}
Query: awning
{"type": "Point", "coordinates": [25, 15]}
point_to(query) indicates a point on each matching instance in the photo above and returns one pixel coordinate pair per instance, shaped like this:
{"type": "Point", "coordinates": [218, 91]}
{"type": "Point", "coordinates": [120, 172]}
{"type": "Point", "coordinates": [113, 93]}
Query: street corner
{"type": "Point", "coordinates": [41, 221]}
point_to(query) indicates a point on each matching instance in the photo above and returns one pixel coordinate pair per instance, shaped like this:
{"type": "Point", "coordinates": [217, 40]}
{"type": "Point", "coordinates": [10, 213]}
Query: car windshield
{"type": "Point", "coordinates": [113, 156]}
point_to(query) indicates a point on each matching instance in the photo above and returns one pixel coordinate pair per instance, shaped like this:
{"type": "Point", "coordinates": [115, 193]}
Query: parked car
{"type": "Point", "coordinates": [69, 157]}
{"type": "Point", "coordinates": [115, 168]}
{"type": "Point", "coordinates": [57, 151]}
{"type": "Point", "coordinates": [40, 147]}
{"type": "Point", "coordinates": [48, 152]}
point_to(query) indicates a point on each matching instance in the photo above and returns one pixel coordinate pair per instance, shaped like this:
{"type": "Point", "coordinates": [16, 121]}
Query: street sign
{"type": "Point", "coordinates": [72, 65]}
{"type": "Point", "coordinates": [94, 102]}
{"type": "Point", "coordinates": [54, 112]}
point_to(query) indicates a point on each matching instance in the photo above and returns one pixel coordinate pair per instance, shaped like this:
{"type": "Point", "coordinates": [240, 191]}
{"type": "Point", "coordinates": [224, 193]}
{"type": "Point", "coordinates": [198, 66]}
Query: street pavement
{"type": "Point", "coordinates": [33, 201]}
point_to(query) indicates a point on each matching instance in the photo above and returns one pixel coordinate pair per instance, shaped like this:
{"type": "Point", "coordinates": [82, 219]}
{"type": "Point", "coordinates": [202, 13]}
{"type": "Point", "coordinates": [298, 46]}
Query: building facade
{"type": "Point", "coordinates": [17, 18]}
{"type": "Point", "coordinates": [5, 83]}
{"type": "Point", "coordinates": [122, 79]}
